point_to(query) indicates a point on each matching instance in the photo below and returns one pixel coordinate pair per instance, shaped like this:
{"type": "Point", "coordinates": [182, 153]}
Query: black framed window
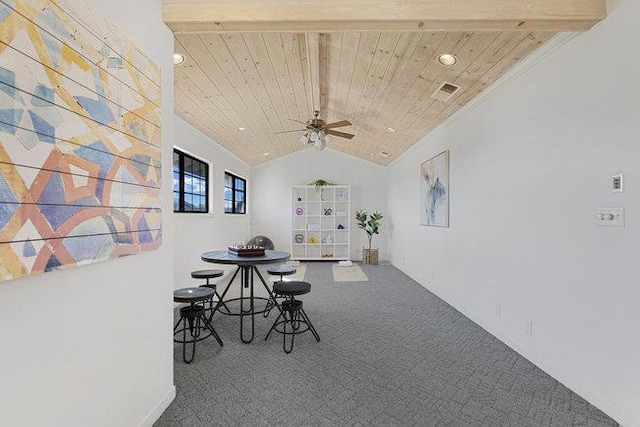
{"type": "Point", "coordinates": [235, 194]}
{"type": "Point", "coordinates": [190, 183]}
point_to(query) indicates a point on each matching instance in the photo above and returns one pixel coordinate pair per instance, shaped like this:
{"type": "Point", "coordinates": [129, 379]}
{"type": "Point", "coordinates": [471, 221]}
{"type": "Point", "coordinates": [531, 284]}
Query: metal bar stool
{"type": "Point", "coordinates": [210, 274]}
{"type": "Point", "coordinates": [279, 270]}
{"type": "Point", "coordinates": [193, 319]}
{"type": "Point", "coordinates": [292, 313]}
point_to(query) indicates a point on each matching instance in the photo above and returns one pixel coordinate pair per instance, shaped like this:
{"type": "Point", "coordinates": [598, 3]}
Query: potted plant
{"type": "Point", "coordinates": [320, 184]}
{"type": "Point", "coordinates": [371, 225]}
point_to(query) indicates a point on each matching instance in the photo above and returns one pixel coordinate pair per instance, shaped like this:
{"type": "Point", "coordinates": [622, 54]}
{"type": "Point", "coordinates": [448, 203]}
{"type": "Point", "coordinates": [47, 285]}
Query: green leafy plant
{"type": "Point", "coordinates": [369, 223]}
{"type": "Point", "coordinates": [320, 184]}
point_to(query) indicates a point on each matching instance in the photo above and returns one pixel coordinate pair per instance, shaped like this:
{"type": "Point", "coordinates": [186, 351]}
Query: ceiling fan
{"type": "Point", "coordinates": [319, 133]}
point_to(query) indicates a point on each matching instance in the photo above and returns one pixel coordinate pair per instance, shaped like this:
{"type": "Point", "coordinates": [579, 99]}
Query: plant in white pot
{"type": "Point", "coordinates": [371, 225]}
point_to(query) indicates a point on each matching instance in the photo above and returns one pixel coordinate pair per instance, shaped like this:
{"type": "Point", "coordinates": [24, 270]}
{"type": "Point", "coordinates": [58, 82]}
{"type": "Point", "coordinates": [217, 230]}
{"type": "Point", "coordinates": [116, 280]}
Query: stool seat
{"type": "Point", "coordinates": [294, 319]}
{"type": "Point", "coordinates": [188, 330]}
{"type": "Point", "coordinates": [281, 270]}
{"type": "Point", "coordinates": [193, 295]}
{"type": "Point", "coordinates": [206, 274]}
{"type": "Point", "coordinates": [291, 288]}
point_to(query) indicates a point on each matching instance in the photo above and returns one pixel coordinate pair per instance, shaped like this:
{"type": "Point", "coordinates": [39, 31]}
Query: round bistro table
{"type": "Point", "coordinates": [247, 266]}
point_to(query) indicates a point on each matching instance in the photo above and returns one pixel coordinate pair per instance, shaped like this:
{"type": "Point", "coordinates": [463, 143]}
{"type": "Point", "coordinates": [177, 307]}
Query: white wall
{"type": "Point", "coordinates": [198, 233]}
{"type": "Point", "coordinates": [530, 163]}
{"type": "Point", "coordinates": [271, 193]}
{"type": "Point", "coordinates": [92, 345]}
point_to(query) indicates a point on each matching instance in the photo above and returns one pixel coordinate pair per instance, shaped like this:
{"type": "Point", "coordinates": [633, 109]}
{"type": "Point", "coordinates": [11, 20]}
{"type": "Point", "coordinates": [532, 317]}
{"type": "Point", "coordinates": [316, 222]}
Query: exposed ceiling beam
{"type": "Point", "coordinates": [381, 15]}
{"type": "Point", "coordinates": [317, 72]}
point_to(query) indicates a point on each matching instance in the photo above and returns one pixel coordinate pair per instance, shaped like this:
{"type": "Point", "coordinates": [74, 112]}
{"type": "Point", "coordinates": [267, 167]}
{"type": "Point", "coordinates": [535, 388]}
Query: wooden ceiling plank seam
{"type": "Point", "coordinates": [262, 64]}
{"type": "Point", "coordinates": [244, 100]}
{"type": "Point", "coordinates": [399, 73]}
{"type": "Point", "coordinates": [398, 59]}
{"type": "Point", "coordinates": [313, 71]}
{"type": "Point", "coordinates": [254, 94]}
{"type": "Point", "coordinates": [278, 63]}
{"type": "Point", "coordinates": [361, 72]}
{"type": "Point", "coordinates": [283, 78]}
{"type": "Point", "coordinates": [472, 48]}
{"type": "Point", "coordinates": [206, 82]}
{"type": "Point", "coordinates": [385, 49]}
{"type": "Point", "coordinates": [435, 74]}
{"type": "Point", "coordinates": [501, 45]}
{"type": "Point", "coordinates": [294, 66]}
{"type": "Point", "coordinates": [346, 69]}
{"type": "Point", "coordinates": [496, 71]}
{"type": "Point", "coordinates": [211, 77]}
{"type": "Point", "coordinates": [334, 73]}
{"type": "Point", "coordinates": [528, 44]}
{"type": "Point", "coordinates": [255, 121]}
{"type": "Point", "coordinates": [304, 63]}
{"type": "Point", "coordinates": [190, 89]}
{"type": "Point", "coordinates": [202, 81]}
{"type": "Point", "coordinates": [454, 101]}
{"type": "Point", "coordinates": [410, 72]}
{"type": "Point", "coordinates": [217, 134]}
{"type": "Point", "coordinates": [378, 75]}
{"type": "Point", "coordinates": [372, 15]}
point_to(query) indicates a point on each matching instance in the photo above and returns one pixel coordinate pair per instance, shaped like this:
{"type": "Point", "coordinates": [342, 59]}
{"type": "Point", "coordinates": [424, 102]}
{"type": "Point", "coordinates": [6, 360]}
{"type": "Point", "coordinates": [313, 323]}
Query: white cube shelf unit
{"type": "Point", "coordinates": [320, 222]}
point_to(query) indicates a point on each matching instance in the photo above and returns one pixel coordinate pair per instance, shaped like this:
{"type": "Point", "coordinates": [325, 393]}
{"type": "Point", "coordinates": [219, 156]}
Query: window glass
{"type": "Point", "coordinates": [190, 183]}
{"type": "Point", "coordinates": [235, 194]}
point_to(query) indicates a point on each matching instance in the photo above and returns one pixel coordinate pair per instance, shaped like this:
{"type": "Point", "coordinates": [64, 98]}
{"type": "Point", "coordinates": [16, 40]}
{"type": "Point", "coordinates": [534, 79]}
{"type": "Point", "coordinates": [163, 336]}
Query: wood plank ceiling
{"type": "Point", "coordinates": [242, 88]}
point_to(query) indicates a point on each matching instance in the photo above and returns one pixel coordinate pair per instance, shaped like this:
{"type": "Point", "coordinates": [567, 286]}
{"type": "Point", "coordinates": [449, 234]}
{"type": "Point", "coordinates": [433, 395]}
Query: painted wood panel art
{"type": "Point", "coordinates": [434, 191]}
{"type": "Point", "coordinates": [80, 154]}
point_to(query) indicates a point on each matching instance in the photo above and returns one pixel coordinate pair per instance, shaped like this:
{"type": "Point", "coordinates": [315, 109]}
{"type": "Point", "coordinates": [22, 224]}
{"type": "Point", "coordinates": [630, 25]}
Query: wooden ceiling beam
{"type": "Point", "coordinates": [316, 73]}
{"type": "Point", "coordinates": [381, 15]}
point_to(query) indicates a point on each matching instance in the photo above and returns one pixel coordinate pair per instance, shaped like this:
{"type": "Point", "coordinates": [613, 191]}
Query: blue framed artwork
{"type": "Point", "coordinates": [434, 191]}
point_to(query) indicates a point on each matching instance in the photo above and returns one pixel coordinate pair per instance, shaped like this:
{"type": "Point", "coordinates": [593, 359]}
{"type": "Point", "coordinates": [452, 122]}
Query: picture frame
{"type": "Point", "coordinates": [434, 191]}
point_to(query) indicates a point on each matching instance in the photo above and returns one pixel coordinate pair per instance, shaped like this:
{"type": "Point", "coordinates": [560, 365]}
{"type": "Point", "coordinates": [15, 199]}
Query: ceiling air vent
{"type": "Point", "coordinates": [445, 91]}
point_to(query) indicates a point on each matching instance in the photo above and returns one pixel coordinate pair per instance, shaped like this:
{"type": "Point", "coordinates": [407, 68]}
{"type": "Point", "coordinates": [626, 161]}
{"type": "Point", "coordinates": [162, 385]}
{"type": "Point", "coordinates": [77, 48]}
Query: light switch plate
{"type": "Point", "coordinates": [610, 217]}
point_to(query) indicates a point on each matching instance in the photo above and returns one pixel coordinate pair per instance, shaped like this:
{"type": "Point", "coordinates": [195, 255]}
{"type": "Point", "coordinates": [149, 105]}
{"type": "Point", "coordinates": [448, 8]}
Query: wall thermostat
{"type": "Point", "coordinates": [616, 183]}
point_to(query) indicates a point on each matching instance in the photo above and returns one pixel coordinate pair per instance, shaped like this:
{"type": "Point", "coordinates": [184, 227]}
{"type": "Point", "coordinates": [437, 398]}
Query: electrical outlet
{"type": "Point", "coordinates": [498, 311]}
{"type": "Point", "coordinates": [530, 327]}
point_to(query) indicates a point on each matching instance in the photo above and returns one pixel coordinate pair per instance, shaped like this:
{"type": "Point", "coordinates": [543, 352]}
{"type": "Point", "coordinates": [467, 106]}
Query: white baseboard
{"type": "Point", "coordinates": [566, 378]}
{"type": "Point", "coordinates": [162, 406]}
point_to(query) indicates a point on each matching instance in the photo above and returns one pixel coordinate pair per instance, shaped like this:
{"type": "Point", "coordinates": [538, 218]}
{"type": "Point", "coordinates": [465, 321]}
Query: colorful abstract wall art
{"type": "Point", "coordinates": [80, 141]}
{"type": "Point", "coordinates": [434, 191]}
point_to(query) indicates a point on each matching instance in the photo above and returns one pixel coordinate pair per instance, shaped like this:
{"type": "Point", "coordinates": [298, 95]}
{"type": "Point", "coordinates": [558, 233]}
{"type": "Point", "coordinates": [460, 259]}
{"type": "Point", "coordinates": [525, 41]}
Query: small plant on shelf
{"type": "Point", "coordinates": [320, 184]}
{"type": "Point", "coordinates": [371, 225]}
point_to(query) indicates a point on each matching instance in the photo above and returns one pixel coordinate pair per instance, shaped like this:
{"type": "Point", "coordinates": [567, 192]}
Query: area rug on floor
{"type": "Point", "coordinates": [349, 274]}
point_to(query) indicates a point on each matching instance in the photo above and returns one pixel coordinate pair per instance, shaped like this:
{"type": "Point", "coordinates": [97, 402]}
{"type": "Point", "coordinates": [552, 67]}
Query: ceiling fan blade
{"type": "Point", "coordinates": [339, 134]}
{"type": "Point", "coordinates": [289, 131]}
{"type": "Point", "coordinates": [339, 124]}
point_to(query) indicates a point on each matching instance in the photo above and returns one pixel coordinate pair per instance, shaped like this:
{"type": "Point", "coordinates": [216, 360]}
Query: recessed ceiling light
{"type": "Point", "coordinates": [265, 154]}
{"type": "Point", "coordinates": [447, 59]}
{"type": "Point", "coordinates": [241, 129]}
{"type": "Point", "coordinates": [391, 130]}
{"type": "Point", "coordinates": [178, 58]}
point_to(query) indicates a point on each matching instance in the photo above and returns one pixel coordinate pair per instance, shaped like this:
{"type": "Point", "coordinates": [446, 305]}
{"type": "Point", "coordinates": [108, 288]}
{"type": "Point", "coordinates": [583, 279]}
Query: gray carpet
{"type": "Point", "coordinates": [392, 353]}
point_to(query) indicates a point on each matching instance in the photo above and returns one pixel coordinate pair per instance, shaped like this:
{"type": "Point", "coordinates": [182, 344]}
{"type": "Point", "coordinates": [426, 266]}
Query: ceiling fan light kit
{"type": "Point", "coordinates": [319, 133]}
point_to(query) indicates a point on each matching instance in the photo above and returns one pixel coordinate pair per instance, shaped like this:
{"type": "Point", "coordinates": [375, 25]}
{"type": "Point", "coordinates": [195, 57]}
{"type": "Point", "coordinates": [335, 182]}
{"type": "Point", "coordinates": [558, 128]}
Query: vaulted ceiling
{"type": "Point", "coordinates": [254, 69]}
